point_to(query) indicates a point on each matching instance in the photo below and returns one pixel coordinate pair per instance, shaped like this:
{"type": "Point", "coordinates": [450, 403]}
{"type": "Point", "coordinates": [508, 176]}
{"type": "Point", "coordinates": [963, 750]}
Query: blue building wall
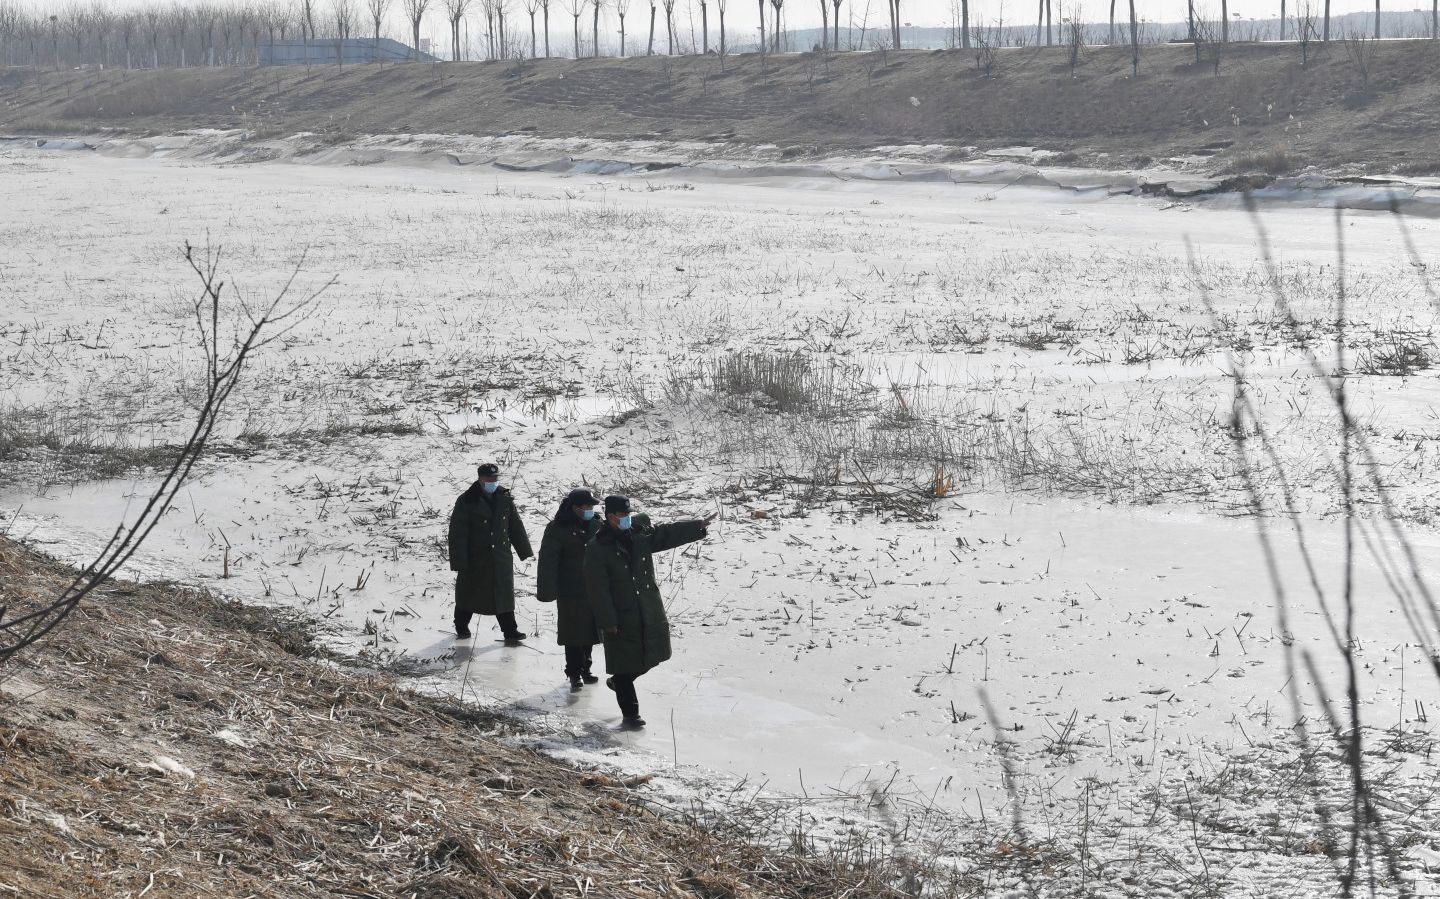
{"type": "Point", "coordinates": [330, 51]}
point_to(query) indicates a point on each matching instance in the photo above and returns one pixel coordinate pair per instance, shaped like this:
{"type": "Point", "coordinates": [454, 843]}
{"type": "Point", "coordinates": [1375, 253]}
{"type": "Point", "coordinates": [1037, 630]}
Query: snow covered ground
{"type": "Point", "coordinates": [1041, 358]}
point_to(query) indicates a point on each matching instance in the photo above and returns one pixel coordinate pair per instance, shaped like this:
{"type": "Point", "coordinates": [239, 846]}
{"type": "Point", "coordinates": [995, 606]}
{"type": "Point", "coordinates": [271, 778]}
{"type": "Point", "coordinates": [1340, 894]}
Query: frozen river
{"type": "Point", "coordinates": [1101, 585]}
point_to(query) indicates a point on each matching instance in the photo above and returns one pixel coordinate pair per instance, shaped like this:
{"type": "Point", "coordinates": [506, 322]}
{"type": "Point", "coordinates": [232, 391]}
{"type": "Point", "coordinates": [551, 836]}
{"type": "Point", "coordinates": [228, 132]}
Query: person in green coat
{"type": "Point", "coordinates": [620, 580]}
{"type": "Point", "coordinates": [484, 527]}
{"type": "Point", "coordinates": [560, 578]}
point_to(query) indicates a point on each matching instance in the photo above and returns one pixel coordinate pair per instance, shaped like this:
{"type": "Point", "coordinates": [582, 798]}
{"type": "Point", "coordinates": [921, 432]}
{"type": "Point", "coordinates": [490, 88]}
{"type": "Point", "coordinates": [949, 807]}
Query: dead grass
{"type": "Point", "coordinates": [1274, 161]}
{"type": "Point", "coordinates": [47, 446]}
{"type": "Point", "coordinates": [172, 743]}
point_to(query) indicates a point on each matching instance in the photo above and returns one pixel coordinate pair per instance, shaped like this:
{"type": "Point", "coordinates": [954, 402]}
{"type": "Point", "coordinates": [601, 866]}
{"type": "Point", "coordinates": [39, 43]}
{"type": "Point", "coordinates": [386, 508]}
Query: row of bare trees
{"type": "Point", "coordinates": [79, 33]}
{"type": "Point", "coordinates": [1056, 22]}
{"type": "Point", "coordinates": [172, 33]}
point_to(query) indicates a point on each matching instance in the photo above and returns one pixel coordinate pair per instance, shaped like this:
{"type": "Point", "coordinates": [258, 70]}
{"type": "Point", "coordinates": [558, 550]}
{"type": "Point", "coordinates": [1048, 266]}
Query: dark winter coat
{"type": "Point", "coordinates": [620, 578]}
{"type": "Point", "coordinates": [560, 577]}
{"type": "Point", "coordinates": [483, 530]}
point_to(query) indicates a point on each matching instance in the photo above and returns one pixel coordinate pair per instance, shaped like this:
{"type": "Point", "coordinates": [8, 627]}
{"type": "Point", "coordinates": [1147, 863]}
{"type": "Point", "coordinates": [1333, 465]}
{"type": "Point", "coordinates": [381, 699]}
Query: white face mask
{"type": "Point", "coordinates": [624, 523]}
{"type": "Point", "coordinates": [587, 515]}
{"type": "Point", "coordinates": [490, 486]}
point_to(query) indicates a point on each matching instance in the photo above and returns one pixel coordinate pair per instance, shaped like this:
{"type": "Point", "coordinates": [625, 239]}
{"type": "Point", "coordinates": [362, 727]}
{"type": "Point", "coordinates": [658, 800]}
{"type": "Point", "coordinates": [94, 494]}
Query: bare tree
{"type": "Point", "coordinates": [1111, 39]}
{"type": "Point", "coordinates": [964, 24]}
{"type": "Point", "coordinates": [129, 23]}
{"type": "Point", "coordinates": [101, 21]}
{"type": "Point", "coordinates": [1224, 21]}
{"type": "Point", "coordinates": [207, 16]}
{"type": "Point", "coordinates": [705, 28]}
{"type": "Point", "coordinates": [575, 8]}
{"type": "Point", "coordinates": [345, 16]}
{"type": "Point", "coordinates": [985, 53]}
{"type": "Point", "coordinates": [502, 31]}
{"type": "Point", "coordinates": [895, 22]}
{"type": "Point", "coordinates": [152, 28]}
{"type": "Point", "coordinates": [1326, 36]}
{"type": "Point", "coordinates": [74, 20]}
{"type": "Point", "coordinates": [1305, 32]}
{"type": "Point", "coordinates": [595, 27]}
{"type": "Point", "coordinates": [762, 25]}
{"type": "Point", "coordinates": [669, 26]}
{"type": "Point", "coordinates": [254, 18]}
{"type": "Point", "coordinates": [1282, 20]}
{"type": "Point", "coordinates": [1075, 39]}
{"type": "Point", "coordinates": [621, 8]}
{"type": "Point", "coordinates": [10, 21]}
{"type": "Point", "coordinates": [775, 31]}
{"type": "Point", "coordinates": [307, 25]}
{"type": "Point", "coordinates": [720, 10]}
{"type": "Point", "coordinates": [454, 12]}
{"type": "Point", "coordinates": [531, 8]}
{"type": "Point", "coordinates": [55, 38]}
{"type": "Point", "coordinates": [1134, 42]}
{"type": "Point", "coordinates": [545, 14]}
{"type": "Point", "coordinates": [1377, 20]}
{"type": "Point", "coordinates": [836, 3]}
{"type": "Point", "coordinates": [1207, 40]}
{"type": "Point", "coordinates": [824, 25]}
{"type": "Point", "coordinates": [377, 10]}
{"type": "Point", "coordinates": [414, 12]}
{"type": "Point", "coordinates": [1360, 51]}
{"type": "Point", "coordinates": [492, 13]}
{"type": "Point", "coordinates": [225, 363]}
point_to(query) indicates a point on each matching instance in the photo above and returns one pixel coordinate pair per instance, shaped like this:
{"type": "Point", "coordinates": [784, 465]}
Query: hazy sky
{"type": "Point", "coordinates": [805, 13]}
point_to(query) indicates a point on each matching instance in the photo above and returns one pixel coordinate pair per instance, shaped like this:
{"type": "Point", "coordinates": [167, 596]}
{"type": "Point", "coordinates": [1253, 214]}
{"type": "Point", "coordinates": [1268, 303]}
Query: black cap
{"type": "Point", "coordinates": [489, 469]}
{"type": "Point", "coordinates": [617, 505]}
{"type": "Point", "coordinates": [581, 498]}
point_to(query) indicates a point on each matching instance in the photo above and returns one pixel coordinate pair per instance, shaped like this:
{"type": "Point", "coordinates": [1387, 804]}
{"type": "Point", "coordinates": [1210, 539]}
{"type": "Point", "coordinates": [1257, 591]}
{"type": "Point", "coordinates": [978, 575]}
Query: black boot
{"type": "Point", "coordinates": [513, 635]}
{"type": "Point", "coordinates": [462, 627]}
{"type": "Point", "coordinates": [624, 687]}
{"type": "Point", "coordinates": [575, 685]}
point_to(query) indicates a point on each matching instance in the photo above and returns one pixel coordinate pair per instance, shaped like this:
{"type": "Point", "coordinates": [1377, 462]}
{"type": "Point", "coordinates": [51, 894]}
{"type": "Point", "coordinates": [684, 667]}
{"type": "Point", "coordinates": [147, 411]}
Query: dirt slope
{"type": "Point", "coordinates": [167, 743]}
{"type": "Point", "coordinates": [1261, 99]}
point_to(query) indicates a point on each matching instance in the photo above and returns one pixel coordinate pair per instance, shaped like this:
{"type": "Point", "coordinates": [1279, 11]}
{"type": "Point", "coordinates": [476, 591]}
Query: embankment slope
{"type": "Point", "coordinates": [166, 742]}
{"type": "Point", "coordinates": [1379, 115]}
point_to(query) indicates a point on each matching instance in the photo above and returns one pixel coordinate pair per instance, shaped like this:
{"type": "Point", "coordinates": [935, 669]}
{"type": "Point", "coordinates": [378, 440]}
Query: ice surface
{"type": "Point", "coordinates": [534, 317]}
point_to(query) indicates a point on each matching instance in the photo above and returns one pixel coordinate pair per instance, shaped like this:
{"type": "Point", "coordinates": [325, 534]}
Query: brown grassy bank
{"type": "Point", "coordinates": [1261, 104]}
{"type": "Point", "coordinates": [169, 743]}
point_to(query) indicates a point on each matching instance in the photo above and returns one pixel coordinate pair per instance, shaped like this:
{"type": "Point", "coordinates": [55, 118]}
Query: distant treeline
{"type": "Point", "coordinates": [206, 33]}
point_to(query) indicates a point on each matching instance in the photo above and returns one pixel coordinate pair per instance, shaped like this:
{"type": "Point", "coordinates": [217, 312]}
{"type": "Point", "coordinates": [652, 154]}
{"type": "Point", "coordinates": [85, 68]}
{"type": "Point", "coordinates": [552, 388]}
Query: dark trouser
{"type": "Point", "coordinates": [624, 686]}
{"type": "Point", "coordinates": [577, 661]}
{"type": "Point", "coordinates": [506, 620]}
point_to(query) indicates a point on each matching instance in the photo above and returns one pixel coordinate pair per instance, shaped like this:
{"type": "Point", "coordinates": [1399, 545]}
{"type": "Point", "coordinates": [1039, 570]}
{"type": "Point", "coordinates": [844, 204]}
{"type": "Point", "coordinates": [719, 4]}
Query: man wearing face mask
{"type": "Point", "coordinates": [484, 527]}
{"type": "Point", "coordinates": [560, 578]}
{"type": "Point", "coordinates": [620, 580]}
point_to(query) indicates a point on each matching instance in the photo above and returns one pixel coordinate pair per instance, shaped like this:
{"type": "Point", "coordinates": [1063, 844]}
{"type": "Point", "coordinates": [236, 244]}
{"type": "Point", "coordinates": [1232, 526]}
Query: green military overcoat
{"type": "Point", "coordinates": [620, 580]}
{"type": "Point", "coordinates": [560, 576]}
{"type": "Point", "coordinates": [483, 531]}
